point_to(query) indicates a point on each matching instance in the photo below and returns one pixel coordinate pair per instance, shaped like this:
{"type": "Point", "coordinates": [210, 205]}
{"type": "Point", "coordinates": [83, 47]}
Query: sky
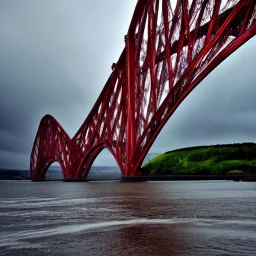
{"type": "Point", "coordinates": [56, 55]}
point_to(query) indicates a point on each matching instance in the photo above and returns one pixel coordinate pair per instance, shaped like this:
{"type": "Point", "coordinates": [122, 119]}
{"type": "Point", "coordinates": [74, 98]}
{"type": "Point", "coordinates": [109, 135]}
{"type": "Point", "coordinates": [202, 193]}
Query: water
{"type": "Point", "coordinates": [115, 218]}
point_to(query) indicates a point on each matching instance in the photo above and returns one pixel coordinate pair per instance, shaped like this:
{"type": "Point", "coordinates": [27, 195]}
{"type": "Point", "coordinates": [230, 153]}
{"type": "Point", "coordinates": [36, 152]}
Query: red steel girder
{"type": "Point", "coordinates": [170, 48]}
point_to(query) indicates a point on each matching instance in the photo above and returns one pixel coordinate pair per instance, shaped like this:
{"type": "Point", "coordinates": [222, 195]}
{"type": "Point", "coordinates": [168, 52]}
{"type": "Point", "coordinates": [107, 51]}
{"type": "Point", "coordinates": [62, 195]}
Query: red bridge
{"type": "Point", "coordinates": [169, 49]}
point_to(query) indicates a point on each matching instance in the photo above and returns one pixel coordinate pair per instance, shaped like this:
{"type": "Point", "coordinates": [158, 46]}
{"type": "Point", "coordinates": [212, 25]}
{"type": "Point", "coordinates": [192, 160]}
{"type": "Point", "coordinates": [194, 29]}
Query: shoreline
{"type": "Point", "coordinates": [239, 177]}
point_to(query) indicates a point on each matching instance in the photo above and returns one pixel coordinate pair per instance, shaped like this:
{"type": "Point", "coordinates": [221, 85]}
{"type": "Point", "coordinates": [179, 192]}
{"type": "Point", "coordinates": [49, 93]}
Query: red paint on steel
{"type": "Point", "coordinates": [169, 50]}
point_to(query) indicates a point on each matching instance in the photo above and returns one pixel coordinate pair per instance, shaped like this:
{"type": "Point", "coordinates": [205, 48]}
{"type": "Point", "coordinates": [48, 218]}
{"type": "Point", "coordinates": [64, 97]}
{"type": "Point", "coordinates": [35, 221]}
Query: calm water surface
{"type": "Point", "coordinates": [115, 218]}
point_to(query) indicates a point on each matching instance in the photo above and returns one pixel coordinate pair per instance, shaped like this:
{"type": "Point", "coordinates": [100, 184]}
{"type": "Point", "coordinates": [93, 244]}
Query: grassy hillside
{"type": "Point", "coordinates": [214, 160]}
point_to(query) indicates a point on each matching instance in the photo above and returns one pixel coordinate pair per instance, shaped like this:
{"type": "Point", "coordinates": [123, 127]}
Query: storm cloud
{"type": "Point", "coordinates": [55, 57]}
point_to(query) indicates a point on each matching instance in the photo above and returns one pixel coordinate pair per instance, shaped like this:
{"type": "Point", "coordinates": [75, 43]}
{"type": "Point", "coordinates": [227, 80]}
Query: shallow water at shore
{"type": "Point", "coordinates": [115, 218]}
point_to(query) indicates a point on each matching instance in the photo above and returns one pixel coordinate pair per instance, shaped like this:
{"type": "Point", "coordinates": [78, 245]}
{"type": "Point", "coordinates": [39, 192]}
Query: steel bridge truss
{"type": "Point", "coordinates": [169, 48]}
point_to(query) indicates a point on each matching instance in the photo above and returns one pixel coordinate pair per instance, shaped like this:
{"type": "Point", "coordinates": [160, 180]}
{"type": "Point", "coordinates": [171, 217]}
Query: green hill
{"type": "Point", "coordinates": [203, 160]}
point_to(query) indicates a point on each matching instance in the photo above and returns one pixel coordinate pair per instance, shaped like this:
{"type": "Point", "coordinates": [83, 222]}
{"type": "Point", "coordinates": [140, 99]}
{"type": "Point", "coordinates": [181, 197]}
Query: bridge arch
{"type": "Point", "coordinates": [221, 57]}
{"type": "Point", "coordinates": [41, 173]}
{"type": "Point", "coordinates": [216, 105]}
{"type": "Point", "coordinates": [163, 114]}
{"type": "Point", "coordinates": [89, 158]}
{"type": "Point", "coordinates": [54, 172]}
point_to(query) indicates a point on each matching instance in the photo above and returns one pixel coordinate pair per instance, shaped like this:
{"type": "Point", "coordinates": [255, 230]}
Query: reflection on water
{"type": "Point", "coordinates": [150, 218]}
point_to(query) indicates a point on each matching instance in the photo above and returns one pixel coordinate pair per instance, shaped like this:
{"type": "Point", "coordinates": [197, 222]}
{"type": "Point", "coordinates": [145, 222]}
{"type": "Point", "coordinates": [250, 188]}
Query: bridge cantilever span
{"type": "Point", "coordinates": [169, 49]}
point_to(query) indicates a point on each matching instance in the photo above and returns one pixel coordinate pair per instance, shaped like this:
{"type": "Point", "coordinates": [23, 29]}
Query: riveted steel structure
{"type": "Point", "coordinates": [169, 48]}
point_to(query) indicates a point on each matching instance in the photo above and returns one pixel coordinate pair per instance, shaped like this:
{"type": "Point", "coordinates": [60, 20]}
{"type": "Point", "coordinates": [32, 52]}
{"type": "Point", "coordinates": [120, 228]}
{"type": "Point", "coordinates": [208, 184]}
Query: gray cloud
{"type": "Point", "coordinates": [55, 57]}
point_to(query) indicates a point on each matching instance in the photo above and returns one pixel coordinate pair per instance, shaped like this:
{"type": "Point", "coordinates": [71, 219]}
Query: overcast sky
{"type": "Point", "coordinates": [56, 55]}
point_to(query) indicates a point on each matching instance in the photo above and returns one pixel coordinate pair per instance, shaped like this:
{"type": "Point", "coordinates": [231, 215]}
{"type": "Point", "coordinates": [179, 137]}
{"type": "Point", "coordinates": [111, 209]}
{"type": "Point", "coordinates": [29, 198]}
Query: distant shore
{"type": "Point", "coordinates": [205, 161]}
